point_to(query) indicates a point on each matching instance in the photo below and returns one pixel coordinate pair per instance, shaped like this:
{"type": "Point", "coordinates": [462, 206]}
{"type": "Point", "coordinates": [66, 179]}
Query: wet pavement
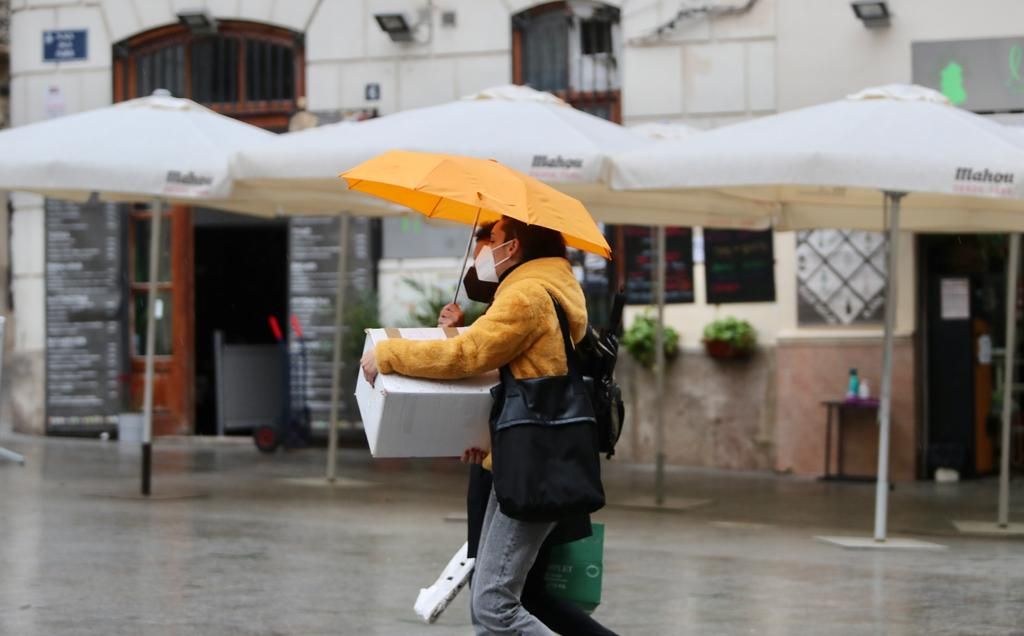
{"type": "Point", "coordinates": [235, 542]}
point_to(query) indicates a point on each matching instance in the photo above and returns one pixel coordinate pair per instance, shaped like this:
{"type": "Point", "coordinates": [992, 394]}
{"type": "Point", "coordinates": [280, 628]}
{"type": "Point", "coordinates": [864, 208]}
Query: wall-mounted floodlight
{"type": "Point", "coordinates": [873, 13]}
{"type": "Point", "coordinates": [395, 25]}
{"type": "Point", "coordinates": [198, 21]}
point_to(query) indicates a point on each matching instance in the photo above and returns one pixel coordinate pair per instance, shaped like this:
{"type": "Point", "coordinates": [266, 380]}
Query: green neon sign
{"type": "Point", "coordinates": [1016, 61]}
{"type": "Point", "coordinates": [952, 83]}
{"type": "Point", "coordinates": [411, 225]}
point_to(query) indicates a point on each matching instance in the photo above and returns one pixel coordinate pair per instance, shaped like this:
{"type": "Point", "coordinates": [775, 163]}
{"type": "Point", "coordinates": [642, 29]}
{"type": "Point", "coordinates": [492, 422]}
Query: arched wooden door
{"type": "Point", "coordinates": [252, 72]}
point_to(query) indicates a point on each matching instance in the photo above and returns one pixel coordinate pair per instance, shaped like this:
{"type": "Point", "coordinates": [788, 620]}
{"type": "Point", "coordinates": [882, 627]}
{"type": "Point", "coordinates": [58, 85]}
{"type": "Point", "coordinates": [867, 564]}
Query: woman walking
{"type": "Point", "coordinates": [521, 330]}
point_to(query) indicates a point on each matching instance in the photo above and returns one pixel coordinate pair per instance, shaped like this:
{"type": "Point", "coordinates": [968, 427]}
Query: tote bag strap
{"type": "Point", "coordinates": [570, 351]}
{"type": "Point", "coordinates": [508, 380]}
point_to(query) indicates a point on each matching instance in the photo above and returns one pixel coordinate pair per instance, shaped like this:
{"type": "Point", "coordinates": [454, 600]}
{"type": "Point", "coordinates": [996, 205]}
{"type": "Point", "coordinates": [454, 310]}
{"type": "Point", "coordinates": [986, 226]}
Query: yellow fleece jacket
{"type": "Point", "coordinates": [520, 329]}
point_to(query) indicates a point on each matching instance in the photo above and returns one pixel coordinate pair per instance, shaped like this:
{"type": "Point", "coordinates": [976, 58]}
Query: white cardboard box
{"type": "Point", "coordinates": [412, 417]}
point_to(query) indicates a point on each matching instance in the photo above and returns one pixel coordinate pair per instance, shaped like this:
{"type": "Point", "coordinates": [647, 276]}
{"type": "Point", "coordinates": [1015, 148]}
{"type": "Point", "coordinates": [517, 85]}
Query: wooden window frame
{"type": "Point", "coordinates": [269, 114]}
{"type": "Point", "coordinates": [578, 99]}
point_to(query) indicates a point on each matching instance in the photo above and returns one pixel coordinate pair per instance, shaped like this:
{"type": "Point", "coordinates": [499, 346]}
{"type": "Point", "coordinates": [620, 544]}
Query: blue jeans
{"type": "Point", "coordinates": [507, 550]}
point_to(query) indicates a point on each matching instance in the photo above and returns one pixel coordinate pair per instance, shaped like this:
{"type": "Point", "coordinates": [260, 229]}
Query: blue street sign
{"type": "Point", "coordinates": [65, 46]}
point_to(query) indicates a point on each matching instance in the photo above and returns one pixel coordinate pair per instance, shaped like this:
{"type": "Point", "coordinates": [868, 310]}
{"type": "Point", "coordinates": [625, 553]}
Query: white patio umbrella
{"type": "Point", "coordinates": [152, 147]}
{"type": "Point", "coordinates": [525, 129]}
{"type": "Point", "coordinates": [901, 149]}
{"type": "Point", "coordinates": [157, 148]}
{"type": "Point", "coordinates": [531, 131]}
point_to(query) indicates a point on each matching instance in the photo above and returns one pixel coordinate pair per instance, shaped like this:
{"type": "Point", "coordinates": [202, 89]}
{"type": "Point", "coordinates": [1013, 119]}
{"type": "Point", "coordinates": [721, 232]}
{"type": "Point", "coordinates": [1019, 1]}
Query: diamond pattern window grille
{"type": "Point", "coordinates": [841, 277]}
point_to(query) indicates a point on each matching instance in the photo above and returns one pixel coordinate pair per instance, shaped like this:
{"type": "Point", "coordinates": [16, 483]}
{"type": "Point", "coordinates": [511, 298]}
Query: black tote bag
{"type": "Point", "coordinates": [544, 443]}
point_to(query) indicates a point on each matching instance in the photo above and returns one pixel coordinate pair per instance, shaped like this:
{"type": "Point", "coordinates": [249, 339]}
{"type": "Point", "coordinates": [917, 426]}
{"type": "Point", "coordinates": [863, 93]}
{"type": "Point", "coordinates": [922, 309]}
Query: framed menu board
{"type": "Point", "coordinates": [739, 266]}
{"type": "Point", "coordinates": [636, 249]}
{"type": "Point", "coordinates": [312, 285]}
{"type": "Point", "coordinates": [85, 311]}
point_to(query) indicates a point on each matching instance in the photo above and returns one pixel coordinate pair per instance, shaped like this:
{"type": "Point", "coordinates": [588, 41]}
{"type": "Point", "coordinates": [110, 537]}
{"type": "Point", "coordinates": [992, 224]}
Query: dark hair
{"type": "Point", "coordinates": [534, 240]}
{"type": "Point", "coordinates": [483, 232]}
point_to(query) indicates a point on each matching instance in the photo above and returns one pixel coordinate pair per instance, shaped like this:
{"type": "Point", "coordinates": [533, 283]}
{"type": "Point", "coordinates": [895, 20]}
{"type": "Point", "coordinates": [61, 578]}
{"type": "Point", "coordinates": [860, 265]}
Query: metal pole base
{"type": "Point", "coordinates": [147, 467]}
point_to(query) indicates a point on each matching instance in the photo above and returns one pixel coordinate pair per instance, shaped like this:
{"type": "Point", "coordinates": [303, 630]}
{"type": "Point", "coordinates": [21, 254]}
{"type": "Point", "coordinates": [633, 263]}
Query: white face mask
{"type": "Point", "coordinates": [486, 266]}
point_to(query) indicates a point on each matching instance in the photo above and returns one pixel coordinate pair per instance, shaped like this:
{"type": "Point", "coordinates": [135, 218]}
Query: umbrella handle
{"type": "Point", "coordinates": [465, 259]}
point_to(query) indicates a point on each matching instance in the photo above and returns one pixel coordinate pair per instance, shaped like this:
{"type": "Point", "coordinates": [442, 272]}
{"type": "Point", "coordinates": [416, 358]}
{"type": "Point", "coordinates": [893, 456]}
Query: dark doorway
{"type": "Point", "coordinates": [241, 278]}
{"type": "Point", "coordinates": [963, 281]}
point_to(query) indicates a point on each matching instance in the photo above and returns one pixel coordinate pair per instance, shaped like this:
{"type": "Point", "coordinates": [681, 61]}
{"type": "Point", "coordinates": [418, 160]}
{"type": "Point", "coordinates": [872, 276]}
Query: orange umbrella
{"type": "Point", "coordinates": [472, 191]}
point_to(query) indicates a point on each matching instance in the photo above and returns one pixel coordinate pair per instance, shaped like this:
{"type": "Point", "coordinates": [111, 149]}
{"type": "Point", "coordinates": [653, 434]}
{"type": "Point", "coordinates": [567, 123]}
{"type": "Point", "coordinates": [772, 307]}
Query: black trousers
{"type": "Point", "coordinates": [560, 616]}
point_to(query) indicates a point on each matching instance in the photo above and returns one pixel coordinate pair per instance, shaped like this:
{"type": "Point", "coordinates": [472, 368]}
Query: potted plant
{"type": "Point", "coordinates": [639, 340]}
{"type": "Point", "coordinates": [729, 338]}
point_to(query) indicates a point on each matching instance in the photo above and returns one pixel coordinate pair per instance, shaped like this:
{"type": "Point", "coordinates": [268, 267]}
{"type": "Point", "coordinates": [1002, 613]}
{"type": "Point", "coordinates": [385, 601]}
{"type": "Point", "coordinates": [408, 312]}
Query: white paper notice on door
{"type": "Point", "coordinates": [956, 299]}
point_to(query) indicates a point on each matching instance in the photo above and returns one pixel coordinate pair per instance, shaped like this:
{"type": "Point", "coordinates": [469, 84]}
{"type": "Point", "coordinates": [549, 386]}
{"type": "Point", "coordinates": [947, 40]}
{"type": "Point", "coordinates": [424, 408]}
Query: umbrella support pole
{"type": "Point", "coordinates": [9, 455]}
{"type": "Point", "coordinates": [659, 370]}
{"type": "Point", "coordinates": [885, 405]}
{"type": "Point", "coordinates": [465, 259]}
{"type": "Point", "coordinates": [1011, 349]}
{"type": "Point", "coordinates": [155, 221]}
{"type": "Point", "coordinates": [339, 312]}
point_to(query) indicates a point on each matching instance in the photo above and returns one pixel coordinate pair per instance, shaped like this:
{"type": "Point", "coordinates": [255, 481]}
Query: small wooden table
{"type": "Point", "coordinates": [835, 410]}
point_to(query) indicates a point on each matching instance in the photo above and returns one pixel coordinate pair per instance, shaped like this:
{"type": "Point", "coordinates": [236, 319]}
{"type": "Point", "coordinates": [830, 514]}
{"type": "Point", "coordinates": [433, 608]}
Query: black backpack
{"type": "Point", "coordinates": [597, 354]}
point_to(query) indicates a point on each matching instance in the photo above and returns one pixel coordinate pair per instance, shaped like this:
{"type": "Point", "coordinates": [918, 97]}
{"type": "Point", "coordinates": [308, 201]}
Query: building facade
{"type": "Point", "coordinates": [704, 64]}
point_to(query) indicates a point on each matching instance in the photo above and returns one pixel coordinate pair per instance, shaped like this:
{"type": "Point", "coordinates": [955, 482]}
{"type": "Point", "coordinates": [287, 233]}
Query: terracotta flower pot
{"type": "Point", "coordinates": [724, 350]}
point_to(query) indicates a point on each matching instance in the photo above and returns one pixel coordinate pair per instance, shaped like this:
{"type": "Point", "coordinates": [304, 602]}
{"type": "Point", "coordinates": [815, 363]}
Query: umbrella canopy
{"type": "Point", "coordinates": [527, 130]}
{"type": "Point", "coordinates": [828, 164]}
{"type": "Point", "coordinates": [152, 147]}
{"type": "Point", "coordinates": [469, 190]}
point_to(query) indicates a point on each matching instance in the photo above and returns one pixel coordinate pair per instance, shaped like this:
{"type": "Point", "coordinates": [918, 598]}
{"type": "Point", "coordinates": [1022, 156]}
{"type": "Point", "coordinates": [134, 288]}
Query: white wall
{"type": "Point", "coordinates": [706, 72]}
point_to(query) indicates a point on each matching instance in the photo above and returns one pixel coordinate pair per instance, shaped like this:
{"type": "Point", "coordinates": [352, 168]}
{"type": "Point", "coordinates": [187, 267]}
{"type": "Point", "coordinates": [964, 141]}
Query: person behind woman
{"type": "Point", "coordinates": [557, 614]}
{"type": "Point", "coordinates": [521, 330]}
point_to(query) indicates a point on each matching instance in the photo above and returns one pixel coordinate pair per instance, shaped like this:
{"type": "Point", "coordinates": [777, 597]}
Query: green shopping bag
{"type": "Point", "coordinates": [575, 569]}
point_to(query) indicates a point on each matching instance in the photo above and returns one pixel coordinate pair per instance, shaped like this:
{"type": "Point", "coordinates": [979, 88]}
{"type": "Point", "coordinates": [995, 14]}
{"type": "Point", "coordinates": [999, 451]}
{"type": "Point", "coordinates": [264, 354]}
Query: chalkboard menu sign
{"type": "Point", "coordinates": [313, 279]}
{"type": "Point", "coordinates": [637, 249]}
{"type": "Point", "coordinates": [84, 312]}
{"type": "Point", "coordinates": [739, 266]}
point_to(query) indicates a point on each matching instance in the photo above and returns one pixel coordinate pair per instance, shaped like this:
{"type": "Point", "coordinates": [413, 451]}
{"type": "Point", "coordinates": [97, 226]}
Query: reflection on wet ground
{"type": "Point", "coordinates": [236, 542]}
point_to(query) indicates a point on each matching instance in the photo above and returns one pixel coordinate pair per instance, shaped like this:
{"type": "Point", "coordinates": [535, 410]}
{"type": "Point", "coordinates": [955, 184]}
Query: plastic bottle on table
{"type": "Point", "coordinates": [853, 386]}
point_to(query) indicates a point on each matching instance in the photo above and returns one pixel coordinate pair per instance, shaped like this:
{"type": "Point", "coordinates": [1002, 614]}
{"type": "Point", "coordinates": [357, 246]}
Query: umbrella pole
{"type": "Point", "coordinates": [147, 401]}
{"type": "Point", "coordinates": [339, 312]}
{"type": "Point", "coordinates": [1008, 379]}
{"type": "Point", "coordinates": [885, 405]}
{"type": "Point", "coordinates": [659, 370]}
{"type": "Point", "coordinates": [465, 259]}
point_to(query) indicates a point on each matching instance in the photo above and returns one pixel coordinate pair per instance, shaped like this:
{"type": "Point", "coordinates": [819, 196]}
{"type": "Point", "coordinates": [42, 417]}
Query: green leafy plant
{"type": "Point", "coordinates": [432, 301]}
{"type": "Point", "coordinates": [728, 337]}
{"type": "Point", "coordinates": [639, 340]}
{"type": "Point", "coordinates": [361, 313]}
